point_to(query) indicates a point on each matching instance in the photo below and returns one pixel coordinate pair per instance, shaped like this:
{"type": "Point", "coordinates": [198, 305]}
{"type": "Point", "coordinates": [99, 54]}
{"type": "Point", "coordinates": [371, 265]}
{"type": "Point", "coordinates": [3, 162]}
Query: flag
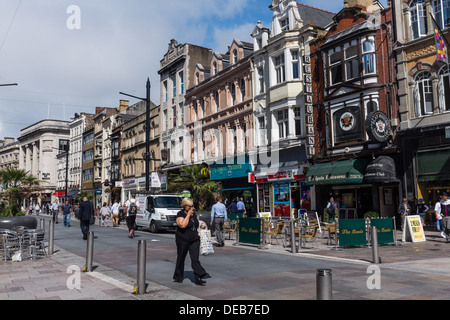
{"type": "Point", "coordinates": [441, 43]}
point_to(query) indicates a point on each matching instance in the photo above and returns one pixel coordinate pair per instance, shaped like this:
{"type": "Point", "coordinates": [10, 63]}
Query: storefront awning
{"type": "Point", "coordinates": [433, 165]}
{"type": "Point", "coordinates": [381, 170]}
{"type": "Point", "coordinates": [340, 172]}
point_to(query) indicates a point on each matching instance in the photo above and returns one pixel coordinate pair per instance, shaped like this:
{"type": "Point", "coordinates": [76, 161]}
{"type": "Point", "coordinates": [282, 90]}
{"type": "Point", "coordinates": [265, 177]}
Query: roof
{"type": "Point", "coordinates": [314, 16]}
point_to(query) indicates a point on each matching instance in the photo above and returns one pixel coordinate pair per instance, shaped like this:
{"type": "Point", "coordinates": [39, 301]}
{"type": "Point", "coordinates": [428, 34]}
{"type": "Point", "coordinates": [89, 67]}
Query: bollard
{"type": "Point", "coordinates": [89, 252]}
{"type": "Point", "coordinates": [51, 236]}
{"type": "Point", "coordinates": [141, 265]}
{"type": "Point", "coordinates": [293, 245]}
{"type": "Point", "coordinates": [42, 224]}
{"type": "Point", "coordinates": [324, 284]}
{"type": "Point", "coordinates": [375, 255]}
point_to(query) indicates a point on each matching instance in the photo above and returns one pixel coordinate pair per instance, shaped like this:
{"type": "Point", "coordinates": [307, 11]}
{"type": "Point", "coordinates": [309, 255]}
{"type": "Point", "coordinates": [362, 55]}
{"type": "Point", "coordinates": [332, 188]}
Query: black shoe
{"type": "Point", "coordinates": [199, 282]}
{"type": "Point", "coordinates": [178, 281]}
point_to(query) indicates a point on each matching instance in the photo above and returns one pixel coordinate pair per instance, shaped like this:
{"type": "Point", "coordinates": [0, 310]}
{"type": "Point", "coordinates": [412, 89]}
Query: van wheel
{"type": "Point", "coordinates": [153, 228]}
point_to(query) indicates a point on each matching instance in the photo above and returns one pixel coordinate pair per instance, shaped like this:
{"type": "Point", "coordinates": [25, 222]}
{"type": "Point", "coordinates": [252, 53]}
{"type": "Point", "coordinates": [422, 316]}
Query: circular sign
{"type": "Point", "coordinates": [347, 121]}
{"type": "Point", "coordinates": [378, 127]}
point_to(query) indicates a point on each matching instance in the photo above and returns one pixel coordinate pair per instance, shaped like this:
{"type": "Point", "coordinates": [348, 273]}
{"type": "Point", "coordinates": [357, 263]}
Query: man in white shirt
{"type": "Point", "coordinates": [132, 206]}
{"type": "Point", "coordinates": [437, 211]}
{"type": "Point", "coordinates": [115, 213]}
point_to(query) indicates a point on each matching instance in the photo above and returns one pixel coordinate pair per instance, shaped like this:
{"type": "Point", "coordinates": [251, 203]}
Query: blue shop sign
{"type": "Point", "coordinates": [239, 169]}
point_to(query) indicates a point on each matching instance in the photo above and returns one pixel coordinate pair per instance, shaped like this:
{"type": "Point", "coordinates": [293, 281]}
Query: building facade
{"type": "Point", "coordinates": [424, 96]}
{"type": "Point", "coordinates": [355, 113]}
{"type": "Point", "coordinates": [220, 119]}
{"type": "Point", "coordinates": [40, 144]}
{"type": "Point", "coordinates": [282, 105]}
{"type": "Point", "coordinates": [9, 154]}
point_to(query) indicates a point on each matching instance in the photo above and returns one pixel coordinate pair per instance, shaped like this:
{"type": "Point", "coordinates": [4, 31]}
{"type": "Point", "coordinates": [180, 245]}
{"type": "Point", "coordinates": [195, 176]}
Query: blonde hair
{"type": "Point", "coordinates": [187, 202]}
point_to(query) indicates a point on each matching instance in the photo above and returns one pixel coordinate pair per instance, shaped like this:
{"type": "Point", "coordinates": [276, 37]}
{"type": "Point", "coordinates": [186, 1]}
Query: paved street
{"type": "Point", "coordinates": [408, 272]}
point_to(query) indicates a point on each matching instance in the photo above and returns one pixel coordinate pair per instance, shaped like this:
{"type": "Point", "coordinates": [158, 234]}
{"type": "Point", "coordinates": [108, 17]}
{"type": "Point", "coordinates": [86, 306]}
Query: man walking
{"type": "Point", "coordinates": [218, 218]}
{"type": "Point", "coordinates": [67, 209]}
{"type": "Point", "coordinates": [55, 210]}
{"type": "Point", "coordinates": [132, 207]}
{"type": "Point", "coordinates": [85, 216]}
{"type": "Point", "coordinates": [115, 213]}
{"type": "Point", "coordinates": [241, 205]}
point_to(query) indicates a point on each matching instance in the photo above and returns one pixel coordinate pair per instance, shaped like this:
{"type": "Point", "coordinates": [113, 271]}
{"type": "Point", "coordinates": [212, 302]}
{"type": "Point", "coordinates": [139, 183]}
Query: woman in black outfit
{"type": "Point", "coordinates": [188, 240]}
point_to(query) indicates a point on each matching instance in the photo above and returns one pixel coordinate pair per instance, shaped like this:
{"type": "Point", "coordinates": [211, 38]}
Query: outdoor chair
{"type": "Point", "coordinates": [11, 244]}
{"type": "Point", "coordinates": [275, 231]}
{"type": "Point", "coordinates": [310, 234]}
{"type": "Point", "coordinates": [36, 242]}
{"type": "Point", "coordinates": [230, 227]}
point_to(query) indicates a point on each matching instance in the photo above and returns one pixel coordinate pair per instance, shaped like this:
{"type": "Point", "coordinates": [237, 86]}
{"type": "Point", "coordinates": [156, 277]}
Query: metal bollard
{"type": "Point", "coordinates": [141, 265]}
{"type": "Point", "coordinates": [375, 255]}
{"type": "Point", "coordinates": [324, 284]}
{"type": "Point", "coordinates": [51, 236]}
{"type": "Point", "coordinates": [293, 244]}
{"type": "Point", "coordinates": [89, 252]}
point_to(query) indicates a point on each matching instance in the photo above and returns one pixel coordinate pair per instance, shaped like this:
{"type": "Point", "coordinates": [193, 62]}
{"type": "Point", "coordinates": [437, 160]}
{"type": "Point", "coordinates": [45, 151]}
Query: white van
{"type": "Point", "coordinates": [159, 212]}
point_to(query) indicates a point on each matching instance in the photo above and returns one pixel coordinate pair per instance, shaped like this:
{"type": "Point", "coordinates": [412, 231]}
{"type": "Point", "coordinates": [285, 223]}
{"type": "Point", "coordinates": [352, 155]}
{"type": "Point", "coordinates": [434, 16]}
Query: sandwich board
{"type": "Point", "coordinates": [413, 229]}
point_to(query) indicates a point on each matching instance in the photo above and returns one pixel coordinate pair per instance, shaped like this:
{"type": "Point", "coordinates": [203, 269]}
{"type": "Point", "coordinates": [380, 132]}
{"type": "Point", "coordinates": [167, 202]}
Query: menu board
{"type": "Point", "coordinates": [413, 230]}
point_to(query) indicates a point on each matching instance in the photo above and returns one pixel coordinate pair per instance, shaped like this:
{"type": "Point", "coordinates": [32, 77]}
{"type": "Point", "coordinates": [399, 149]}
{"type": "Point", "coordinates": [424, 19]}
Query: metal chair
{"type": "Point", "coordinates": [36, 243]}
{"type": "Point", "coordinates": [310, 234]}
{"type": "Point", "coordinates": [11, 243]}
{"type": "Point", "coordinates": [275, 230]}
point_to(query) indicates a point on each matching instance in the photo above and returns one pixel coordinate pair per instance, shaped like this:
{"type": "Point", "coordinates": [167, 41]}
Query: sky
{"type": "Point", "coordinates": [71, 56]}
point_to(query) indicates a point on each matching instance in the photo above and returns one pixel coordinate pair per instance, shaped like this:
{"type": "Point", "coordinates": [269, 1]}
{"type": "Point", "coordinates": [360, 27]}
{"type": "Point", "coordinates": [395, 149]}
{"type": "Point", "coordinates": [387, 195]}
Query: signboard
{"type": "Point", "coordinates": [352, 232]}
{"type": "Point", "coordinates": [240, 167]}
{"type": "Point", "coordinates": [378, 126]}
{"type": "Point", "coordinates": [413, 230]}
{"type": "Point", "coordinates": [250, 231]}
{"type": "Point", "coordinates": [385, 230]}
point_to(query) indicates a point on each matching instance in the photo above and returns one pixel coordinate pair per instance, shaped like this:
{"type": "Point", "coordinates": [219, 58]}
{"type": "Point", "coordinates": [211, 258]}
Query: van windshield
{"type": "Point", "coordinates": [167, 202]}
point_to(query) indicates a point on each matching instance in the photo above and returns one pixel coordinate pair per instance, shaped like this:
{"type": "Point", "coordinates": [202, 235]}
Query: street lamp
{"type": "Point", "coordinates": [8, 85]}
{"type": "Point", "coordinates": [147, 134]}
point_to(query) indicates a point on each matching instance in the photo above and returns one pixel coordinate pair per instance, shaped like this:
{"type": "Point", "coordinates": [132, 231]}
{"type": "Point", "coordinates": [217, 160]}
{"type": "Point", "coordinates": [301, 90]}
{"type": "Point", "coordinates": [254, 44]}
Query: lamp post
{"type": "Point", "coordinates": [147, 134]}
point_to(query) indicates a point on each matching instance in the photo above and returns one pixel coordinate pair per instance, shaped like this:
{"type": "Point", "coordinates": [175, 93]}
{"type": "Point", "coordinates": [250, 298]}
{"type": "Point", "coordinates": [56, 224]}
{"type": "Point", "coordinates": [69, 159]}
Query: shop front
{"type": "Point", "coordinates": [233, 176]}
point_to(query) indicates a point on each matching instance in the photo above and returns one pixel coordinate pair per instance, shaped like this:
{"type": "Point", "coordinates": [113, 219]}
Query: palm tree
{"type": "Point", "coordinates": [196, 179]}
{"type": "Point", "coordinates": [17, 182]}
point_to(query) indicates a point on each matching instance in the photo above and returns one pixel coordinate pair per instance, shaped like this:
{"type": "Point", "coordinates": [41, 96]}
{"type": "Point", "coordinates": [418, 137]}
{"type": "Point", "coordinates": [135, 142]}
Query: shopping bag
{"type": "Point", "coordinates": [206, 246]}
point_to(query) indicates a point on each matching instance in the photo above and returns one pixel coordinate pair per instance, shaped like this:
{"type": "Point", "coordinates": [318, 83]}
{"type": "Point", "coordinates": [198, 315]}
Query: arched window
{"type": "Point", "coordinates": [444, 89]}
{"type": "Point", "coordinates": [423, 94]}
{"type": "Point", "coordinates": [418, 19]}
{"type": "Point", "coordinates": [214, 68]}
{"type": "Point", "coordinates": [441, 10]}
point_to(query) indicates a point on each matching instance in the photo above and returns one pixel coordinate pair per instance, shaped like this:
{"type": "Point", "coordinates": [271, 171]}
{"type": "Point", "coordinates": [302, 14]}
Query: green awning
{"type": "Point", "coordinates": [433, 165]}
{"type": "Point", "coordinates": [339, 172]}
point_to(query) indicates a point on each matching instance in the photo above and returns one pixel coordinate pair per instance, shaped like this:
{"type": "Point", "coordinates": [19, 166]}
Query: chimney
{"type": "Point", "coordinates": [124, 104]}
{"type": "Point", "coordinates": [365, 4]}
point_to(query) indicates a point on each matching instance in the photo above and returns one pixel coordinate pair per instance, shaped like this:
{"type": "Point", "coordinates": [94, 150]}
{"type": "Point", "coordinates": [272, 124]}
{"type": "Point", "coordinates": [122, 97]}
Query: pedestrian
{"type": "Point", "coordinates": [115, 213]}
{"type": "Point", "coordinates": [218, 218]}
{"type": "Point", "coordinates": [66, 209]}
{"type": "Point", "coordinates": [332, 207]}
{"type": "Point", "coordinates": [240, 206]}
{"type": "Point", "coordinates": [30, 209]}
{"type": "Point", "coordinates": [233, 207]}
{"type": "Point", "coordinates": [48, 208]}
{"type": "Point", "coordinates": [86, 212]}
{"type": "Point", "coordinates": [188, 240]}
{"type": "Point", "coordinates": [404, 209]}
{"type": "Point", "coordinates": [105, 212]}
{"type": "Point", "coordinates": [421, 210]}
{"type": "Point", "coordinates": [437, 211]}
{"type": "Point", "coordinates": [445, 213]}
{"type": "Point", "coordinates": [37, 209]}
{"type": "Point", "coordinates": [55, 210]}
{"type": "Point", "coordinates": [132, 206]}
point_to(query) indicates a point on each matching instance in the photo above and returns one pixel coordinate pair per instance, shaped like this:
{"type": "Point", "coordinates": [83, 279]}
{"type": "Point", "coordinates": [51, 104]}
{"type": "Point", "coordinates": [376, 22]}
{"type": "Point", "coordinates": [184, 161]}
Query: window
{"type": "Point", "coordinates": [181, 76]}
{"type": "Point", "coordinates": [444, 89]}
{"type": "Point", "coordinates": [242, 88]}
{"type": "Point", "coordinates": [368, 55]}
{"type": "Point", "coordinates": [174, 115]}
{"type": "Point", "coordinates": [174, 86]}
{"type": "Point", "coordinates": [298, 121]}
{"type": "Point", "coordinates": [216, 100]}
{"type": "Point", "coordinates": [166, 120]}
{"type": "Point", "coordinates": [262, 131]}
{"type": "Point", "coordinates": [336, 67]}
{"type": "Point", "coordinates": [165, 91]}
{"type": "Point", "coordinates": [418, 19]}
{"type": "Point", "coordinates": [214, 68]}
{"type": "Point", "coordinates": [284, 24]}
{"type": "Point", "coordinates": [423, 94]}
{"type": "Point", "coordinates": [260, 82]}
{"type": "Point", "coordinates": [233, 94]}
{"type": "Point", "coordinates": [88, 175]}
{"type": "Point", "coordinates": [235, 56]}
{"type": "Point", "coordinates": [283, 123]}
{"type": "Point", "coordinates": [279, 69]}
{"type": "Point", "coordinates": [197, 78]}
{"type": "Point", "coordinates": [351, 62]}
{"type": "Point", "coordinates": [442, 12]}
{"type": "Point", "coordinates": [295, 65]}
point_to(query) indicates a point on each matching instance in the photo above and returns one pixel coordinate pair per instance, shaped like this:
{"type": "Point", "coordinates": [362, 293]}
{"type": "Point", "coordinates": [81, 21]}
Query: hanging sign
{"type": "Point", "coordinates": [413, 230]}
